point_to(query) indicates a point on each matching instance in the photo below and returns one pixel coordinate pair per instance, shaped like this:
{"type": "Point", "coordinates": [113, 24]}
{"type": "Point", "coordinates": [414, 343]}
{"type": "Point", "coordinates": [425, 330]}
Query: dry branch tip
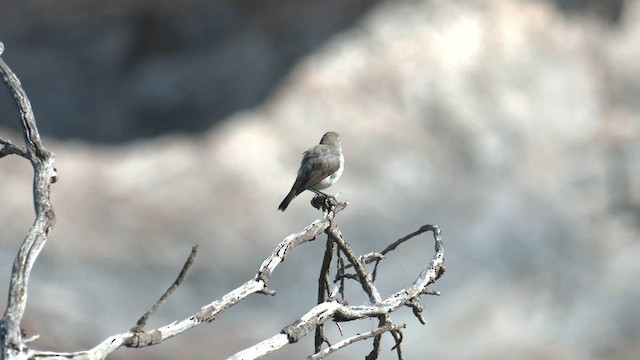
{"type": "Point", "coordinates": [142, 322]}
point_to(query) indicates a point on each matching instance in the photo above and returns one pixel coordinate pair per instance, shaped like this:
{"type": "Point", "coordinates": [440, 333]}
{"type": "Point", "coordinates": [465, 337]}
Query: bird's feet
{"type": "Point", "coordinates": [324, 201]}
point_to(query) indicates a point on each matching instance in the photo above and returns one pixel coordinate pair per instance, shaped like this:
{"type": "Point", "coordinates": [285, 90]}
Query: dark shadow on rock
{"type": "Point", "coordinates": [609, 11]}
{"type": "Point", "coordinates": [126, 70]}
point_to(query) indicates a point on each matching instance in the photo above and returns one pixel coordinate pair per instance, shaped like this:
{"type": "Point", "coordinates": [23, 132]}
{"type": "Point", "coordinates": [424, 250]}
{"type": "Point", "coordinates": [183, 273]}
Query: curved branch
{"type": "Point", "coordinates": [142, 322]}
{"type": "Point", "coordinates": [348, 341]}
{"type": "Point", "coordinates": [44, 176]}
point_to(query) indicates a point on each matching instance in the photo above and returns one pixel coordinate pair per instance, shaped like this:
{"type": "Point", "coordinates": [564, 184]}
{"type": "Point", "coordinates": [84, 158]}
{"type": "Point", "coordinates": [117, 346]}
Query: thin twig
{"type": "Point", "coordinates": [339, 345]}
{"type": "Point", "coordinates": [397, 243]}
{"type": "Point", "coordinates": [377, 257]}
{"type": "Point", "coordinates": [142, 322]}
{"type": "Point", "coordinates": [398, 336]}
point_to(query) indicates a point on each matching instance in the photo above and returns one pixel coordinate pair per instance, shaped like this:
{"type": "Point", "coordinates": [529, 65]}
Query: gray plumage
{"type": "Point", "coordinates": [321, 167]}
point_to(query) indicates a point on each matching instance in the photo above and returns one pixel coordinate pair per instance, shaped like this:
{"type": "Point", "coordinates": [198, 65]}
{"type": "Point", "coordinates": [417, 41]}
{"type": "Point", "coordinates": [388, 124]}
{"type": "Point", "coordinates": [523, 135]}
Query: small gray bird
{"type": "Point", "coordinates": [320, 168]}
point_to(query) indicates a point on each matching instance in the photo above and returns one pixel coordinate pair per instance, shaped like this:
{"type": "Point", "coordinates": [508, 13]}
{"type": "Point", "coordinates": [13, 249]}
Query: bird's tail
{"type": "Point", "coordinates": [283, 205]}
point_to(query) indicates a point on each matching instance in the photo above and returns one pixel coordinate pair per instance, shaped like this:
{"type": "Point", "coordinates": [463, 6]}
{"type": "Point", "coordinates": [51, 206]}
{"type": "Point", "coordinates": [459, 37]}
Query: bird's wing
{"type": "Point", "coordinates": [318, 162]}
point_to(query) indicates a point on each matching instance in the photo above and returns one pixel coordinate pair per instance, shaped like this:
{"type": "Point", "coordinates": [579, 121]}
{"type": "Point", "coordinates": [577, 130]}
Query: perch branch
{"type": "Point", "coordinates": [339, 312]}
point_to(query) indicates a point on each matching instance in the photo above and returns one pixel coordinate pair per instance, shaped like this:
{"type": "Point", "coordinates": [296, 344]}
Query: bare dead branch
{"type": "Point", "coordinates": [163, 299]}
{"type": "Point", "coordinates": [417, 307]}
{"type": "Point", "coordinates": [370, 257]}
{"type": "Point", "coordinates": [8, 148]}
{"type": "Point", "coordinates": [428, 291]}
{"type": "Point", "coordinates": [368, 287]}
{"type": "Point", "coordinates": [396, 243]}
{"type": "Point", "coordinates": [323, 290]}
{"type": "Point", "coordinates": [340, 312]}
{"type": "Point", "coordinates": [44, 174]}
{"type": "Point", "coordinates": [377, 342]}
{"type": "Point", "coordinates": [341, 271]}
{"type": "Point", "coordinates": [398, 336]}
{"type": "Point", "coordinates": [207, 313]}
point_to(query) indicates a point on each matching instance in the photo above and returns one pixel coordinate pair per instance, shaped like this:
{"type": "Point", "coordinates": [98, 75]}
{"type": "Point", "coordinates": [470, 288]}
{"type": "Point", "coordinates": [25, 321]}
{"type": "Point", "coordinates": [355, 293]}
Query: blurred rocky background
{"type": "Point", "coordinates": [514, 125]}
